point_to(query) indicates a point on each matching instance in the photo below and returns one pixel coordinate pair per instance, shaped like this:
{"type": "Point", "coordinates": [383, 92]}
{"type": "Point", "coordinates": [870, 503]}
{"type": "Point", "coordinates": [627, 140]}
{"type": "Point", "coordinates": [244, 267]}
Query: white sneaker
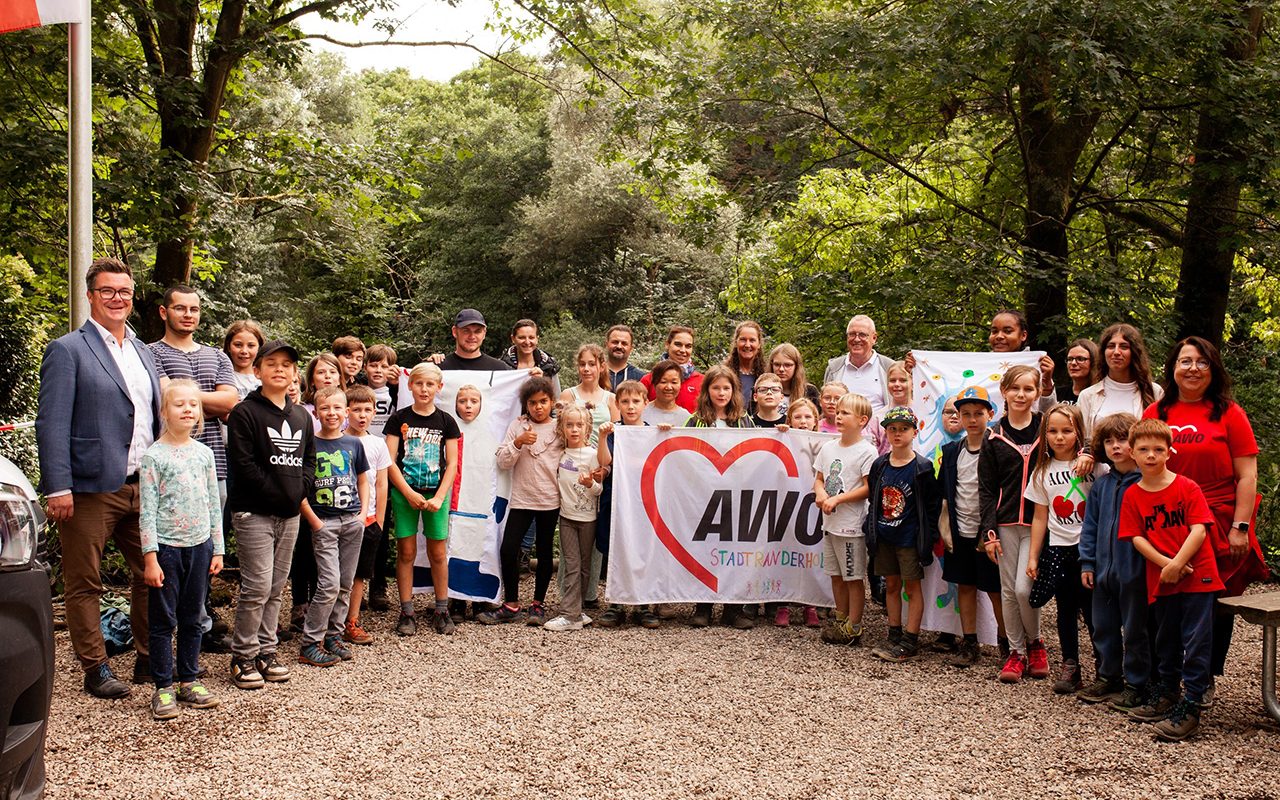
{"type": "Point", "coordinates": [563, 623]}
{"type": "Point", "coordinates": [587, 620]}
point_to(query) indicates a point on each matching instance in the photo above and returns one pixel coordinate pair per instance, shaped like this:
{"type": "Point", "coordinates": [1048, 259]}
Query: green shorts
{"type": "Point", "coordinates": [434, 525]}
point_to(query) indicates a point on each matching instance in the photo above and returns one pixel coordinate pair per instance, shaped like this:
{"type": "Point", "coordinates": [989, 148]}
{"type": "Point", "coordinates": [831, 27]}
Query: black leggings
{"type": "Point", "coordinates": [302, 571]}
{"type": "Point", "coordinates": [1072, 600]}
{"type": "Point", "coordinates": [518, 521]}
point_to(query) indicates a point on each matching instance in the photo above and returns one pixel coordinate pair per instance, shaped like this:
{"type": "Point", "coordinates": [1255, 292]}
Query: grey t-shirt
{"type": "Point", "coordinates": [968, 516]}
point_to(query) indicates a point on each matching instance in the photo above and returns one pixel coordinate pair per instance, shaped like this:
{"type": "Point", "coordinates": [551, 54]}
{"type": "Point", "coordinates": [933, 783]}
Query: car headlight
{"type": "Point", "coordinates": [21, 529]}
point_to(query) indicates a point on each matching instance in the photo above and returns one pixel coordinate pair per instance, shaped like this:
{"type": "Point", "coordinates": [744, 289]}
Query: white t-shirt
{"type": "Point", "coordinates": [968, 512]}
{"type": "Point", "coordinates": [1117, 398]}
{"type": "Point", "coordinates": [379, 458]}
{"type": "Point", "coordinates": [577, 502]}
{"type": "Point", "coordinates": [843, 469]}
{"type": "Point", "coordinates": [382, 407]}
{"type": "Point", "coordinates": [653, 415]}
{"type": "Point", "coordinates": [1058, 487]}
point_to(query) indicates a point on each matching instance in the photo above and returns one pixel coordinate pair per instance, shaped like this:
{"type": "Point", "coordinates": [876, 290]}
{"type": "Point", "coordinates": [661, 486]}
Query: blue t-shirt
{"type": "Point", "coordinates": [339, 464]}
{"type": "Point", "coordinates": [898, 518]}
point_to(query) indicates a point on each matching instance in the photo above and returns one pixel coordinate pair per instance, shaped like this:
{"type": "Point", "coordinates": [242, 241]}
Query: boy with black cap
{"type": "Point", "coordinates": [901, 529]}
{"type": "Point", "coordinates": [271, 455]}
{"type": "Point", "coordinates": [958, 476]}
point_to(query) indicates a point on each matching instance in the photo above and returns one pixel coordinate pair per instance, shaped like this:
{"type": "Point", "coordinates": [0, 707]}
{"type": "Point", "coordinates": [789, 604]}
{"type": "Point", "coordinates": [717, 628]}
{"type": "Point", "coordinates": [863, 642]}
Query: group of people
{"type": "Point", "coordinates": [1128, 503]}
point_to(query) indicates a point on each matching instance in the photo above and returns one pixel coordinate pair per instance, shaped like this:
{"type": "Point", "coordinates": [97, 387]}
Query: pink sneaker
{"type": "Point", "coordinates": [783, 618]}
{"type": "Point", "coordinates": [811, 617]}
{"type": "Point", "coordinates": [1013, 668]}
{"type": "Point", "coordinates": [1037, 659]}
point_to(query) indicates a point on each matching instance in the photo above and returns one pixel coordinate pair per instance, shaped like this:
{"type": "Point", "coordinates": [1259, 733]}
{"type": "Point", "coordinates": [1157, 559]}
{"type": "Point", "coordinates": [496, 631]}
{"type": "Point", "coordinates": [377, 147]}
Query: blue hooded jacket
{"type": "Point", "coordinates": [1101, 551]}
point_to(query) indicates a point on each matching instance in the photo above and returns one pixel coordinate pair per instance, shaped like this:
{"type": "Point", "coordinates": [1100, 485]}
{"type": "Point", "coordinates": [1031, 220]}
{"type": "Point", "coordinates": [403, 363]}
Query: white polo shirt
{"type": "Point", "coordinates": [866, 380]}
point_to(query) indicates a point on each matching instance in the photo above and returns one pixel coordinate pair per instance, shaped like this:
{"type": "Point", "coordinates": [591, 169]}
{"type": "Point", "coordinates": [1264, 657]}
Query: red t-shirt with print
{"type": "Point", "coordinates": [1164, 519]}
{"type": "Point", "coordinates": [1203, 450]}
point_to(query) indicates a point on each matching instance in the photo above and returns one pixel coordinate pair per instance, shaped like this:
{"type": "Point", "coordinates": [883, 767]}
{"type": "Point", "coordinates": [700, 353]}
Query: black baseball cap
{"type": "Point", "coordinates": [468, 316]}
{"type": "Point", "coordinates": [275, 346]}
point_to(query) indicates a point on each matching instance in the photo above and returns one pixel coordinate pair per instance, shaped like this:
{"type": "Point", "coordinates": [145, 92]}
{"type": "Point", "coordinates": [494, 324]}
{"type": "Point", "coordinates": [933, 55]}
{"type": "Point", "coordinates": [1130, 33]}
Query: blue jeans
{"type": "Point", "coordinates": [1184, 641]}
{"type": "Point", "coordinates": [178, 604]}
{"type": "Point", "coordinates": [1120, 629]}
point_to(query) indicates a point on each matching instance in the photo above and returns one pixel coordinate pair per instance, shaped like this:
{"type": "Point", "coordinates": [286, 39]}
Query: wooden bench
{"type": "Point", "coordinates": [1264, 610]}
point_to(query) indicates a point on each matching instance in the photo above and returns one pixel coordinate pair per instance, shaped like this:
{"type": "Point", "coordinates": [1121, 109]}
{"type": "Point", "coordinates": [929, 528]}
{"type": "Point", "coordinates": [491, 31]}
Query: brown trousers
{"type": "Point", "coordinates": [98, 518]}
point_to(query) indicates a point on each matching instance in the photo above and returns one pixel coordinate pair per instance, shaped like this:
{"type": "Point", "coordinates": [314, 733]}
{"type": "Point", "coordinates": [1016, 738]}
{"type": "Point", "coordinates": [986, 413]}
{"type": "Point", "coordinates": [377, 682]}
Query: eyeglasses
{"type": "Point", "coordinates": [1077, 359]}
{"type": "Point", "coordinates": [110, 292]}
{"type": "Point", "coordinates": [1188, 363]}
{"type": "Point", "coordinates": [858, 335]}
{"type": "Point", "coordinates": [946, 412]}
{"type": "Point", "coordinates": [768, 390]}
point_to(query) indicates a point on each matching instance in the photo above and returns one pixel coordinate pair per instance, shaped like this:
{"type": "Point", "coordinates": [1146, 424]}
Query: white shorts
{"type": "Point", "coordinates": [844, 557]}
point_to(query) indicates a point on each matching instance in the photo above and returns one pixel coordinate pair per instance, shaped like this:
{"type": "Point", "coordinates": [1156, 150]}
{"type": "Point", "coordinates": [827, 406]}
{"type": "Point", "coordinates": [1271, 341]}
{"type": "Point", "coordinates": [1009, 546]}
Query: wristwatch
{"type": "Point", "coordinates": [1243, 527]}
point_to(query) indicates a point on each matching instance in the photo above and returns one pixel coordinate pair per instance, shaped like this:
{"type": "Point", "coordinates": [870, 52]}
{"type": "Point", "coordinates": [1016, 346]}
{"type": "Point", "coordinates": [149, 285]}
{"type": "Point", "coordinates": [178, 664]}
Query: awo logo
{"type": "Point", "coordinates": [287, 441]}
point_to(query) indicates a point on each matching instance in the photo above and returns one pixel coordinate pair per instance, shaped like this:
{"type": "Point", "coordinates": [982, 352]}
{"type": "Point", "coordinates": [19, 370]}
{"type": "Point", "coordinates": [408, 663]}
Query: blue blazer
{"type": "Point", "coordinates": [85, 421]}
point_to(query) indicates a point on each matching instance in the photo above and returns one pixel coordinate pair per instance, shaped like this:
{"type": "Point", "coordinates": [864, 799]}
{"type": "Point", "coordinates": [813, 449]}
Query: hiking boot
{"type": "Point", "coordinates": [317, 656]}
{"type": "Point", "coordinates": [1037, 660]}
{"type": "Point", "coordinates": [886, 647]}
{"type": "Point", "coordinates": [1102, 690]}
{"type": "Point", "coordinates": [524, 562]}
{"type": "Point", "coordinates": [1068, 679]}
{"type": "Point", "coordinates": [1206, 700]}
{"type": "Point", "coordinates": [563, 623]}
{"type": "Point", "coordinates": [353, 633]}
{"type": "Point", "coordinates": [164, 704]}
{"type": "Point", "coordinates": [1182, 722]}
{"type": "Point", "coordinates": [334, 646]}
{"type": "Point", "coordinates": [407, 625]}
{"type": "Point", "coordinates": [443, 622]}
{"type": "Point", "coordinates": [944, 643]}
{"type": "Point", "coordinates": [270, 668]}
{"type": "Point", "coordinates": [196, 696]}
{"type": "Point", "coordinates": [648, 619]}
{"type": "Point", "coordinates": [811, 617]}
{"type": "Point", "coordinates": [458, 611]}
{"type": "Point", "coordinates": [1013, 668]}
{"type": "Point", "coordinates": [1129, 698]}
{"type": "Point", "coordinates": [537, 615]}
{"type": "Point", "coordinates": [701, 616]}
{"type": "Point", "coordinates": [967, 654]}
{"type": "Point", "coordinates": [244, 674]}
{"type": "Point", "coordinates": [1159, 702]}
{"type": "Point", "coordinates": [904, 651]}
{"type": "Point", "coordinates": [378, 601]}
{"type": "Point", "coordinates": [501, 614]}
{"type": "Point", "coordinates": [783, 618]}
{"type": "Point", "coordinates": [613, 616]}
{"type": "Point", "coordinates": [741, 618]}
{"type": "Point", "coordinates": [283, 634]}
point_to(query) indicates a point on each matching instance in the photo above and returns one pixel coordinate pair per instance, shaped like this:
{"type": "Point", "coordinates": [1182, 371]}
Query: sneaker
{"type": "Point", "coordinates": [443, 622]}
{"type": "Point", "coordinates": [317, 656]}
{"type": "Point", "coordinates": [1158, 704]}
{"type": "Point", "coordinates": [197, 696]}
{"type": "Point", "coordinates": [355, 634]}
{"type": "Point", "coordinates": [164, 704]}
{"type": "Point", "coordinates": [811, 617]}
{"type": "Point", "coordinates": [537, 615]}
{"type": "Point", "coordinates": [740, 618]}
{"type": "Point", "coordinates": [783, 618]}
{"type": "Point", "coordinates": [1129, 698]}
{"type": "Point", "coordinates": [244, 674]}
{"type": "Point", "coordinates": [269, 666]}
{"type": "Point", "coordinates": [904, 651]}
{"type": "Point", "coordinates": [886, 647]}
{"type": "Point", "coordinates": [1068, 679]}
{"type": "Point", "coordinates": [701, 616]}
{"type": "Point", "coordinates": [1037, 660]}
{"type": "Point", "coordinates": [407, 625]}
{"type": "Point", "coordinates": [1013, 668]}
{"type": "Point", "coordinates": [648, 619]}
{"type": "Point", "coordinates": [563, 623]}
{"type": "Point", "coordinates": [1182, 722]}
{"type": "Point", "coordinates": [845, 633]}
{"type": "Point", "coordinates": [502, 613]}
{"type": "Point", "coordinates": [1206, 700]}
{"type": "Point", "coordinates": [944, 643]}
{"type": "Point", "coordinates": [967, 654]}
{"type": "Point", "coordinates": [612, 617]}
{"type": "Point", "coordinates": [1102, 690]}
{"type": "Point", "coordinates": [378, 601]}
{"type": "Point", "coordinates": [668, 611]}
{"type": "Point", "coordinates": [334, 646]}
{"type": "Point", "coordinates": [458, 611]}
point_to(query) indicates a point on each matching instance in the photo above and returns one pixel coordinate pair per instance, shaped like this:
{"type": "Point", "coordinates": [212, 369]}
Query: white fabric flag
{"type": "Point", "coordinates": [478, 508]}
{"type": "Point", "coordinates": [937, 377]}
{"type": "Point", "coordinates": [716, 515]}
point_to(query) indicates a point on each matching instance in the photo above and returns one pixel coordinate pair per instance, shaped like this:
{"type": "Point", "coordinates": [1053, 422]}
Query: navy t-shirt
{"type": "Point", "coordinates": [898, 518]}
{"type": "Point", "coordinates": [339, 464]}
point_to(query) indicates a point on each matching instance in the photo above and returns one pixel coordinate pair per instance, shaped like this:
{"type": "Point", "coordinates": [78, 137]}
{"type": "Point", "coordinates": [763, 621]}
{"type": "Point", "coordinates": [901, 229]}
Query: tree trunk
{"type": "Point", "coordinates": [1209, 238]}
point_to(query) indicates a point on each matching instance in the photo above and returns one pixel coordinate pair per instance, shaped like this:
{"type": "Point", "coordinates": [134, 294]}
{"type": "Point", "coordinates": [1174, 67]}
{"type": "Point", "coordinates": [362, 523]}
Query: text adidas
{"type": "Point", "coordinates": [286, 461]}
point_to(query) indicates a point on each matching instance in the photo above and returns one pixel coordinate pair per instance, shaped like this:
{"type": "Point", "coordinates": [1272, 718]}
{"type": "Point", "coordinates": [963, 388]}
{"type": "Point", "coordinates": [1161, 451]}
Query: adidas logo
{"type": "Point", "coordinates": [285, 439]}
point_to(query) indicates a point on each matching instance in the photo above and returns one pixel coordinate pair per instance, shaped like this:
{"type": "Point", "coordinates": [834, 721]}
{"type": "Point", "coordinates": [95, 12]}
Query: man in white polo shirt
{"type": "Point", "coordinates": [862, 370]}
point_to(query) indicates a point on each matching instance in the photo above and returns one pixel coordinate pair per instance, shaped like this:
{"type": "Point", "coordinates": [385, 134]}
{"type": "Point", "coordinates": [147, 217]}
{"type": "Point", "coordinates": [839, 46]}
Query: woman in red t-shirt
{"type": "Point", "coordinates": [680, 350]}
{"type": "Point", "coordinates": [1213, 445]}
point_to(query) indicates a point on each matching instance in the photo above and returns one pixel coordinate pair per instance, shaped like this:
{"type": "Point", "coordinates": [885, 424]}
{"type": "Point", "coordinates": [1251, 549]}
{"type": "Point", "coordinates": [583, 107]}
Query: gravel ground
{"type": "Point", "coordinates": [513, 711]}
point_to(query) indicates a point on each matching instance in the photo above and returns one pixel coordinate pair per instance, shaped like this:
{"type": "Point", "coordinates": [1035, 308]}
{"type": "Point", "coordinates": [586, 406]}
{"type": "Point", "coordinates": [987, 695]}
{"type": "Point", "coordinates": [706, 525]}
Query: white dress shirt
{"type": "Point", "coordinates": [138, 381]}
{"type": "Point", "coordinates": [866, 381]}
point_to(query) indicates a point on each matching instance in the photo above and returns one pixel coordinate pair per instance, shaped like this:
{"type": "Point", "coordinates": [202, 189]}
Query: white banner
{"type": "Point", "coordinates": [716, 515]}
{"type": "Point", "coordinates": [478, 509]}
{"type": "Point", "coordinates": [939, 376]}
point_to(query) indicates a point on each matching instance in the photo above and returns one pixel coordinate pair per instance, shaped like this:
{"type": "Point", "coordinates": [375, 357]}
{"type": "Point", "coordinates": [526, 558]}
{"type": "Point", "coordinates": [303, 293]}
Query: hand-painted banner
{"type": "Point", "coordinates": [716, 515]}
{"type": "Point", "coordinates": [478, 509]}
{"type": "Point", "coordinates": [937, 377]}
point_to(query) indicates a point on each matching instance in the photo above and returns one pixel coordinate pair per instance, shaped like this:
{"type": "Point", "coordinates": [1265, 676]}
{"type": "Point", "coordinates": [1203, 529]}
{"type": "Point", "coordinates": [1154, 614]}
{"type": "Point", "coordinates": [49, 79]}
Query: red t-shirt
{"type": "Point", "coordinates": [1202, 450]}
{"type": "Point", "coordinates": [688, 396]}
{"type": "Point", "coordinates": [1164, 519]}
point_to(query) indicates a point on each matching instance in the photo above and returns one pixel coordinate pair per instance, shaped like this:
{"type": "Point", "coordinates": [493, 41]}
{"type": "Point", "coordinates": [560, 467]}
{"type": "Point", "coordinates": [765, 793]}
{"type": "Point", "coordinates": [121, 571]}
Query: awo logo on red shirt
{"type": "Point", "coordinates": [1186, 434]}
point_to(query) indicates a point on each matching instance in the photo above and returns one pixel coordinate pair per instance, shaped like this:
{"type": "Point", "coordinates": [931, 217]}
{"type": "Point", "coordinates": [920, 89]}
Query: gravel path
{"type": "Point", "coordinates": [512, 711]}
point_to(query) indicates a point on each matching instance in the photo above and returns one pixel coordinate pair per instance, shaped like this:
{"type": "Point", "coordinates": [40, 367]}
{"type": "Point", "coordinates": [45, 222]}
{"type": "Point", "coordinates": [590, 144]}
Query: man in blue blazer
{"type": "Point", "coordinates": [99, 412]}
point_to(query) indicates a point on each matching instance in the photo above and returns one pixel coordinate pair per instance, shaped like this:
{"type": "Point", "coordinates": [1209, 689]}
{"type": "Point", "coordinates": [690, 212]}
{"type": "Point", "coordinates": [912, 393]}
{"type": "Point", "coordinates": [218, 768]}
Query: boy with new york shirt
{"type": "Point", "coordinates": [271, 457]}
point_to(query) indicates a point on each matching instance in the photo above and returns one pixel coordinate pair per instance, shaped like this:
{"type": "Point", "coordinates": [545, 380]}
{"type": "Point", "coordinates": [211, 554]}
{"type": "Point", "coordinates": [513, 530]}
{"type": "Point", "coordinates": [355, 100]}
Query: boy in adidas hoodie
{"type": "Point", "coordinates": [271, 455]}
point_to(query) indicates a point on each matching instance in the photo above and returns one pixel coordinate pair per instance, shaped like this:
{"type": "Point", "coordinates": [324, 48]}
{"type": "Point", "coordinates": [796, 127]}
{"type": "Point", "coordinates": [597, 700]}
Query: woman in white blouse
{"type": "Point", "coordinates": [1126, 384]}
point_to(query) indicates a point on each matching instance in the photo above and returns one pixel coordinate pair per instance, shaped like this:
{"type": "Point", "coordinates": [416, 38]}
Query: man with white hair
{"type": "Point", "coordinates": [862, 370]}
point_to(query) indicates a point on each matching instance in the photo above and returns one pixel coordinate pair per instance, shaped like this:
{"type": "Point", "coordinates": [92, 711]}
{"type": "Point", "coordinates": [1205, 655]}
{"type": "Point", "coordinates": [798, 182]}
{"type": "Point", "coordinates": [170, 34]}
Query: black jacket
{"type": "Point", "coordinates": [271, 456]}
{"type": "Point", "coordinates": [1003, 470]}
{"type": "Point", "coordinates": [928, 496]}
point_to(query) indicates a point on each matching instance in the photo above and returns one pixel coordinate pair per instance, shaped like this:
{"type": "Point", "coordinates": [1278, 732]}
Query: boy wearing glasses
{"type": "Point", "coordinates": [767, 394]}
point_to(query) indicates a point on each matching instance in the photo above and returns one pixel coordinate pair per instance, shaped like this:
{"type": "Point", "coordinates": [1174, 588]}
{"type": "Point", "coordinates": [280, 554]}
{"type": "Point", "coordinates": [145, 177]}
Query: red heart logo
{"type": "Point", "coordinates": [721, 462]}
{"type": "Point", "coordinates": [1063, 507]}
